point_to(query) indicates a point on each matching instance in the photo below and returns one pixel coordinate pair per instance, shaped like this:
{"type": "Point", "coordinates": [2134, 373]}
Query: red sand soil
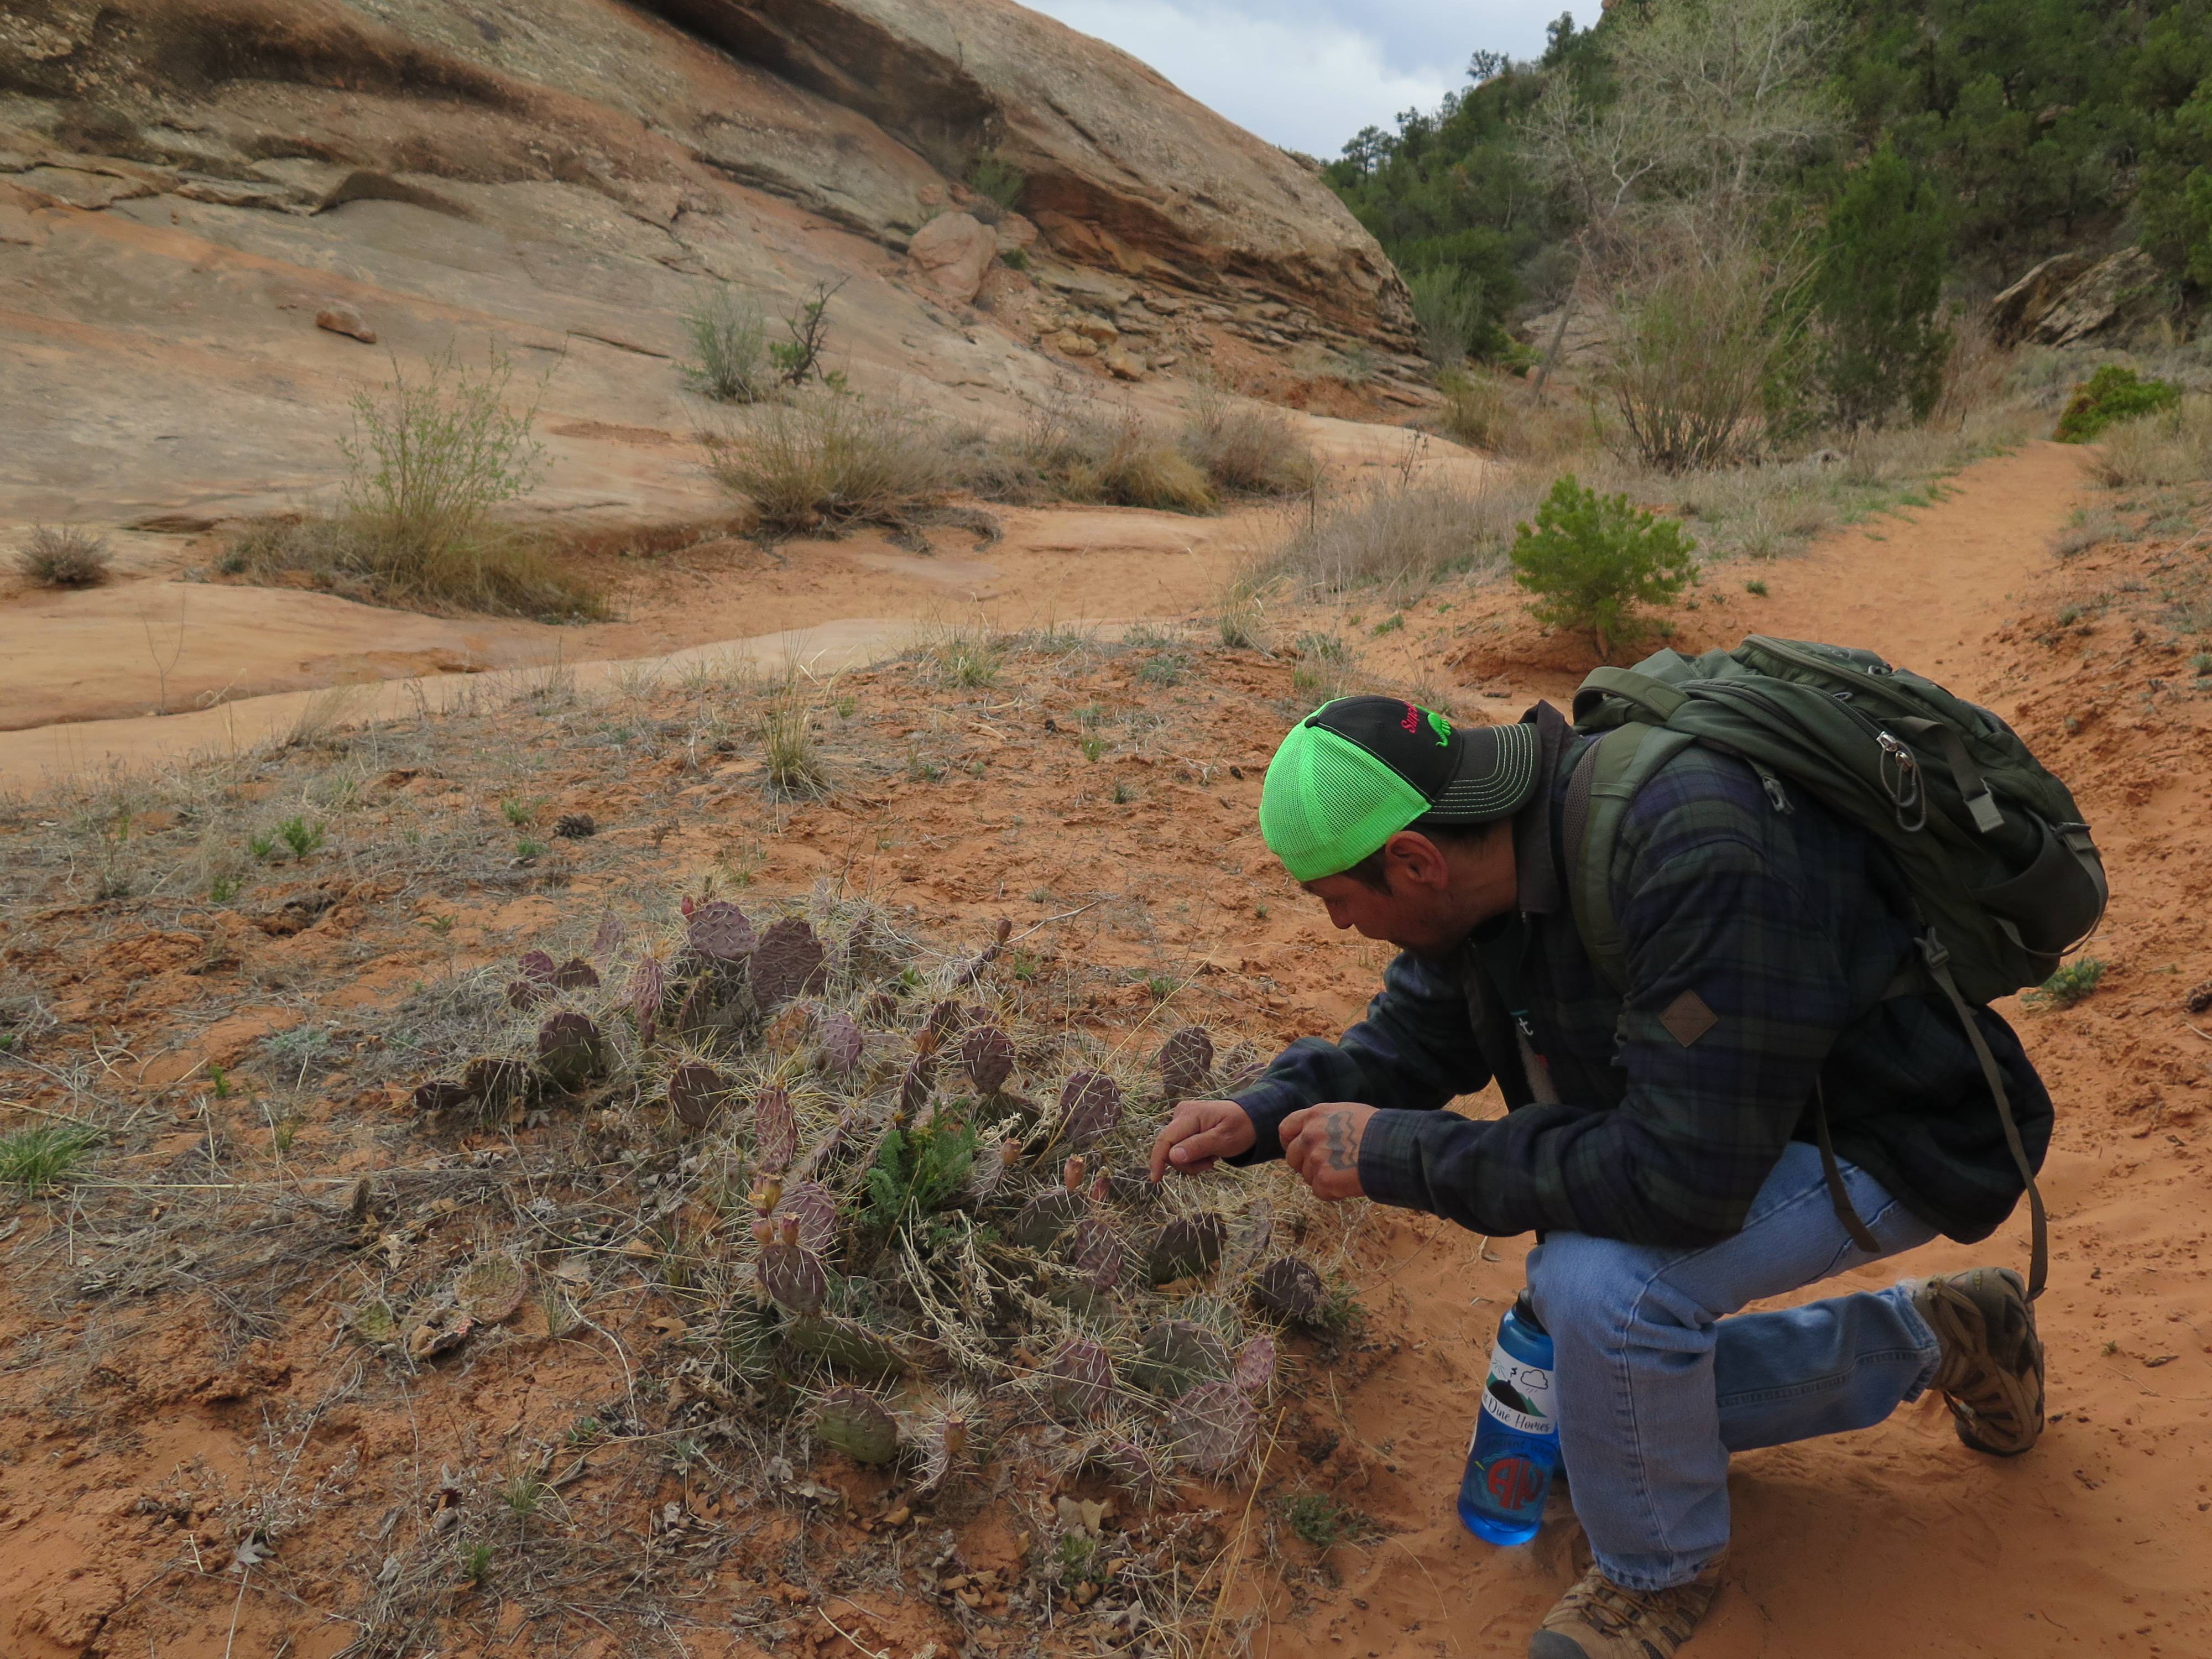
{"type": "Point", "coordinates": [1896, 1540]}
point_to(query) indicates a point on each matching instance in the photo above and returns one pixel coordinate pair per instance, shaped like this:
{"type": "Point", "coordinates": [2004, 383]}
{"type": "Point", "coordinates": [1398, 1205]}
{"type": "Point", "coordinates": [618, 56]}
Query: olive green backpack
{"type": "Point", "coordinates": [2000, 868]}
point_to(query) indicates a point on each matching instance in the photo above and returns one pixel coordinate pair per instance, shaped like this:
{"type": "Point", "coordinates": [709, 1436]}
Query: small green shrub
{"type": "Point", "coordinates": [998, 182]}
{"type": "Point", "coordinates": [1015, 258]}
{"type": "Point", "coordinates": [2114, 393]}
{"type": "Point", "coordinates": [66, 557]}
{"type": "Point", "coordinates": [1317, 1518]}
{"type": "Point", "coordinates": [1447, 308]}
{"type": "Point", "coordinates": [729, 359]}
{"type": "Point", "coordinates": [52, 1154]}
{"type": "Point", "coordinates": [1592, 560]}
{"type": "Point", "coordinates": [302, 837]}
{"type": "Point", "coordinates": [1756, 588]}
{"type": "Point", "coordinates": [919, 1171]}
{"type": "Point", "coordinates": [2070, 983]}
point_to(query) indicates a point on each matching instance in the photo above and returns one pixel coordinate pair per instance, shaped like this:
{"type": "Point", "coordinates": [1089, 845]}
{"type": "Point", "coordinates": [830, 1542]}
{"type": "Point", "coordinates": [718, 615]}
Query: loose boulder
{"type": "Point", "coordinates": [951, 254]}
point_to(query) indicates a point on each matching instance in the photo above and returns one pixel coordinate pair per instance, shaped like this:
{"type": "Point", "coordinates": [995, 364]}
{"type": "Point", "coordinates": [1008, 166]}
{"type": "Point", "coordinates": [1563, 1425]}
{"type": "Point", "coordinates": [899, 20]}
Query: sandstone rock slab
{"type": "Point", "coordinates": [951, 255]}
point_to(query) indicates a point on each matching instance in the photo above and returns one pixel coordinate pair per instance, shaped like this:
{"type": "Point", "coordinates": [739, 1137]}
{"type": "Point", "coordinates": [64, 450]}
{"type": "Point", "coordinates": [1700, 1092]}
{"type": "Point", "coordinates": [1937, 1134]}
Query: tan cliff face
{"type": "Point", "coordinates": [186, 186]}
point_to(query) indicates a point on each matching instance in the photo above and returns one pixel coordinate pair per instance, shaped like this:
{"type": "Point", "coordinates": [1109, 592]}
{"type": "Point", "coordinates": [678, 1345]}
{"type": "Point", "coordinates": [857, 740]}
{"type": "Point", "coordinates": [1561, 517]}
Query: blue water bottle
{"type": "Point", "coordinates": [1516, 1435]}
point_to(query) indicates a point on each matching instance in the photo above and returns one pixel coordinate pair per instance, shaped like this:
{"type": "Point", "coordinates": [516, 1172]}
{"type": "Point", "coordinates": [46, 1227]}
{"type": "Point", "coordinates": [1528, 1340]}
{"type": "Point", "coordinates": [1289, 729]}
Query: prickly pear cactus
{"type": "Point", "coordinates": [1187, 1063]}
{"type": "Point", "coordinates": [719, 934]}
{"type": "Point", "coordinates": [536, 965]}
{"type": "Point", "coordinates": [1039, 1224]}
{"type": "Point", "coordinates": [648, 984]}
{"type": "Point", "coordinates": [812, 1206]}
{"type": "Point", "coordinates": [846, 1344]}
{"type": "Point", "coordinates": [1090, 1107]}
{"type": "Point", "coordinates": [497, 1084]}
{"type": "Point", "coordinates": [1289, 1289]}
{"type": "Point", "coordinates": [1254, 1369]}
{"type": "Point", "coordinates": [1176, 1356]}
{"type": "Point", "coordinates": [1218, 1424]}
{"type": "Point", "coordinates": [1185, 1247]}
{"type": "Point", "coordinates": [775, 1130]}
{"type": "Point", "coordinates": [696, 1093]}
{"type": "Point", "coordinates": [1081, 1377]}
{"type": "Point", "coordinates": [793, 1276]}
{"type": "Point", "coordinates": [841, 1043]}
{"type": "Point", "coordinates": [576, 975]}
{"type": "Point", "coordinates": [993, 1159]}
{"type": "Point", "coordinates": [915, 1087]}
{"type": "Point", "coordinates": [528, 993]}
{"type": "Point", "coordinates": [440, 1095]}
{"type": "Point", "coordinates": [1100, 1253]}
{"type": "Point", "coordinates": [571, 1052]}
{"type": "Point", "coordinates": [785, 962]}
{"type": "Point", "coordinates": [988, 1053]}
{"type": "Point", "coordinates": [856, 1424]}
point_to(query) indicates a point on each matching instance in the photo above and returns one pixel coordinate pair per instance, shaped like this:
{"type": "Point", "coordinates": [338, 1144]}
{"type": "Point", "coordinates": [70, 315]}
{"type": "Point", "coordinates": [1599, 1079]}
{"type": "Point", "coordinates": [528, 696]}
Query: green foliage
{"type": "Point", "coordinates": [2070, 983]}
{"type": "Point", "coordinates": [1593, 560]}
{"type": "Point", "coordinates": [729, 349]}
{"type": "Point", "coordinates": [1448, 307]}
{"type": "Point", "coordinates": [49, 1154]}
{"type": "Point", "coordinates": [302, 837]}
{"type": "Point", "coordinates": [997, 181]}
{"type": "Point", "coordinates": [66, 557]}
{"type": "Point", "coordinates": [1876, 290]}
{"type": "Point", "coordinates": [432, 453]}
{"type": "Point", "coordinates": [1318, 1519]}
{"type": "Point", "coordinates": [797, 357]}
{"type": "Point", "coordinates": [2112, 393]}
{"type": "Point", "coordinates": [918, 1172]}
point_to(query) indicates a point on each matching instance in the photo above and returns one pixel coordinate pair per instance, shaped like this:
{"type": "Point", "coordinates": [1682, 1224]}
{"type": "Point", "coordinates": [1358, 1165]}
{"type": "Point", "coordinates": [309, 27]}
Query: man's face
{"type": "Point", "coordinates": [1407, 917]}
{"type": "Point", "coordinates": [1433, 900]}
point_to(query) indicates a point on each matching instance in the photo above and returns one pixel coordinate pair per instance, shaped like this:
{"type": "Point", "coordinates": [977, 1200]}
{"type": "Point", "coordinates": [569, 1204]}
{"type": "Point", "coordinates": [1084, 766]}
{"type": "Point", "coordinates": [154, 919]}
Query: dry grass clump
{"type": "Point", "coordinates": [1489, 411]}
{"type": "Point", "coordinates": [2173, 446]}
{"type": "Point", "coordinates": [63, 557]}
{"type": "Point", "coordinates": [828, 460]}
{"type": "Point", "coordinates": [1403, 533]}
{"type": "Point", "coordinates": [1246, 448]}
{"type": "Point", "coordinates": [495, 570]}
{"type": "Point", "coordinates": [1073, 446]}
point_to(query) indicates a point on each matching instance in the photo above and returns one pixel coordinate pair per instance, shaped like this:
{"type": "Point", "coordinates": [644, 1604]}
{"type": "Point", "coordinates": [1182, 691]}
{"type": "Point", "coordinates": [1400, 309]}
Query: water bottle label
{"type": "Point", "coordinates": [1520, 1396]}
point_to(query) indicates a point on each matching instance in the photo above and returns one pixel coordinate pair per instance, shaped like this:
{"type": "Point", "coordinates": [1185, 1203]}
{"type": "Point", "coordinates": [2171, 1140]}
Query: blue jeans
{"type": "Point", "coordinates": [1656, 1387]}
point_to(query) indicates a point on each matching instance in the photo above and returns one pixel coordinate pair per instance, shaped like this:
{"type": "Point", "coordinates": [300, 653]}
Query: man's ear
{"type": "Point", "coordinates": [1418, 858]}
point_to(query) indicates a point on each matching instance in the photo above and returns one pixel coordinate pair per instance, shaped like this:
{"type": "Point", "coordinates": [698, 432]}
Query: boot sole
{"type": "Point", "coordinates": [1954, 1331]}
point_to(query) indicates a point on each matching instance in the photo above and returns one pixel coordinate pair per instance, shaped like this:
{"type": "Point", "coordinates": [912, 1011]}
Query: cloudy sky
{"type": "Point", "coordinates": [1309, 73]}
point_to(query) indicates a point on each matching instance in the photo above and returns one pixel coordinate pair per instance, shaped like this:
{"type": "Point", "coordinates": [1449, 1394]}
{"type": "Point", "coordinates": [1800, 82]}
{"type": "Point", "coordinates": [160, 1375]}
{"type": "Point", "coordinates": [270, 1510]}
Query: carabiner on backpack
{"type": "Point", "coordinates": [1900, 776]}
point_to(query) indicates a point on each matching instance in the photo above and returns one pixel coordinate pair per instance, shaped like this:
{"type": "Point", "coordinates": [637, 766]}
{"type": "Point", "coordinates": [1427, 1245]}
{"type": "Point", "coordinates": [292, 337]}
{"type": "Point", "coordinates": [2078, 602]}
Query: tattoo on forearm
{"type": "Point", "coordinates": [1342, 1153]}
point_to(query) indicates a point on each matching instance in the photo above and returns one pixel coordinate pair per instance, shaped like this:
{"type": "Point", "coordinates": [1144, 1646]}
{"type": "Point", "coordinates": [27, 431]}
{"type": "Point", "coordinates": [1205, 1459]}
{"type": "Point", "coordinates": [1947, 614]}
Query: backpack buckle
{"type": "Point", "coordinates": [1901, 777]}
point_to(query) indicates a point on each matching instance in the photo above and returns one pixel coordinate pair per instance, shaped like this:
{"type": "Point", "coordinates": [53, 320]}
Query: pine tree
{"type": "Point", "coordinates": [1876, 293]}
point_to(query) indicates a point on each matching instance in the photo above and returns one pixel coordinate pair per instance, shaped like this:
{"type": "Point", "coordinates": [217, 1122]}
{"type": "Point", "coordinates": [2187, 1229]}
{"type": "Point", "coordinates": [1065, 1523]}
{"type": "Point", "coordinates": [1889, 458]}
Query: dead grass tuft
{"type": "Point", "coordinates": [1403, 533]}
{"type": "Point", "coordinates": [2174, 446]}
{"type": "Point", "coordinates": [493, 569]}
{"type": "Point", "coordinates": [828, 460]}
{"type": "Point", "coordinates": [63, 557]}
{"type": "Point", "coordinates": [1246, 448]}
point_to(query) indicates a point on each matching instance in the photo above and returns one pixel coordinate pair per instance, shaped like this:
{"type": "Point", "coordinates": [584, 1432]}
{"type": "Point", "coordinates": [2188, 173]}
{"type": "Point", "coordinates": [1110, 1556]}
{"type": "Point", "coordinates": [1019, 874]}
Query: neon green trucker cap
{"type": "Point", "coordinates": [1355, 771]}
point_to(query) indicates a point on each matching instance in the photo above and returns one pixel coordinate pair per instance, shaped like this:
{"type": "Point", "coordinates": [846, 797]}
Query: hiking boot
{"type": "Point", "coordinates": [1991, 1372]}
{"type": "Point", "coordinates": [1599, 1619]}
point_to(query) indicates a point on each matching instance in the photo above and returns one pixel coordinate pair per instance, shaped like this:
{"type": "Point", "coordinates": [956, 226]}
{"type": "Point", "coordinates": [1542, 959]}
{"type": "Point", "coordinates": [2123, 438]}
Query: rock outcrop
{"type": "Point", "coordinates": [188, 188]}
{"type": "Point", "coordinates": [2072, 297]}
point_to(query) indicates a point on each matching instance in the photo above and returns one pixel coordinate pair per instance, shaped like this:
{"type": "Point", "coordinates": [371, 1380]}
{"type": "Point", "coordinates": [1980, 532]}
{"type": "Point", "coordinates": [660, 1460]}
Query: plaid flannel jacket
{"type": "Point", "coordinates": [1655, 1131]}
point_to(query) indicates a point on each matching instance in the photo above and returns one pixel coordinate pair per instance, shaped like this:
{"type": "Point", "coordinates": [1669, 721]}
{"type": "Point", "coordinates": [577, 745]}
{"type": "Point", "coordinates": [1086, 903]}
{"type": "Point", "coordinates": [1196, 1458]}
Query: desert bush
{"type": "Point", "coordinates": [830, 459]}
{"type": "Point", "coordinates": [430, 455]}
{"type": "Point", "coordinates": [1876, 290]}
{"type": "Point", "coordinates": [2086, 528]}
{"type": "Point", "coordinates": [2070, 984]}
{"type": "Point", "coordinates": [1246, 448]}
{"type": "Point", "coordinates": [798, 355]}
{"type": "Point", "coordinates": [1401, 535]}
{"type": "Point", "coordinates": [63, 557]}
{"type": "Point", "coordinates": [2114, 393]}
{"type": "Point", "coordinates": [1592, 560]}
{"type": "Point", "coordinates": [793, 759]}
{"type": "Point", "coordinates": [1475, 409]}
{"type": "Point", "coordinates": [729, 360]}
{"type": "Point", "coordinates": [1699, 346]}
{"type": "Point", "coordinates": [1240, 613]}
{"type": "Point", "coordinates": [2172, 446]}
{"type": "Point", "coordinates": [1448, 307]}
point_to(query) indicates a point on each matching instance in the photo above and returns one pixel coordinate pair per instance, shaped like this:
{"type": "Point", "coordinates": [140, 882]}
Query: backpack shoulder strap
{"type": "Point", "coordinates": [1605, 780]}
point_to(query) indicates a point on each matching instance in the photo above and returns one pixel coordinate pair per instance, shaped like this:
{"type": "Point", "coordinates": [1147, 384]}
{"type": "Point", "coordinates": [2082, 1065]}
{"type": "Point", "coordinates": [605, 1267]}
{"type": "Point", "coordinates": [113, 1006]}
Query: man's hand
{"type": "Point", "coordinates": [1322, 1144]}
{"type": "Point", "coordinates": [1200, 1131]}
